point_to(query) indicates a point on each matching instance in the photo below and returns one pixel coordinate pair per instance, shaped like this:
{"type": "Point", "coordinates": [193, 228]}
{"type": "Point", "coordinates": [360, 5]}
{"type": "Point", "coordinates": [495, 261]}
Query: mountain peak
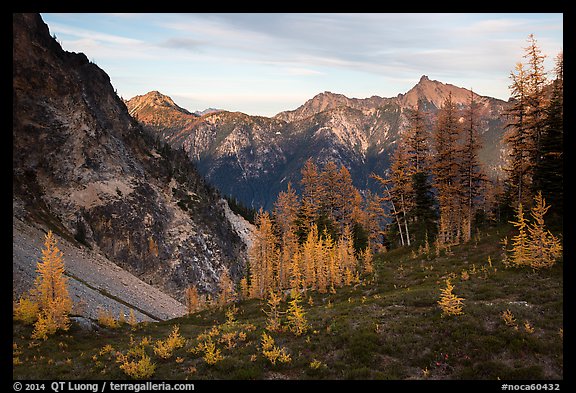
{"type": "Point", "coordinates": [433, 92]}
{"type": "Point", "coordinates": [154, 99]}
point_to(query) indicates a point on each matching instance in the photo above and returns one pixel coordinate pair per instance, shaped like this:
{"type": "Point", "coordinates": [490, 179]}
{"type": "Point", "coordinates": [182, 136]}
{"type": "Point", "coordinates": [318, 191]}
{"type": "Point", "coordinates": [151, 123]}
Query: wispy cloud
{"type": "Point", "coordinates": [93, 35]}
{"type": "Point", "coordinates": [287, 54]}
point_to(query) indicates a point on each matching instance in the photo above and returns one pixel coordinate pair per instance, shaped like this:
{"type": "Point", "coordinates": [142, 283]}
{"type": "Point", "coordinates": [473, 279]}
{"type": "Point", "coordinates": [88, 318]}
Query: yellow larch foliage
{"type": "Point", "coordinates": [273, 322]}
{"type": "Point", "coordinates": [132, 321]}
{"type": "Point", "coordinates": [106, 319]}
{"type": "Point", "coordinates": [192, 299]}
{"type": "Point", "coordinates": [26, 310]}
{"type": "Point", "coordinates": [263, 256]}
{"type": "Point", "coordinates": [212, 355]}
{"type": "Point", "coordinates": [51, 292]}
{"type": "Point", "coordinates": [244, 288]}
{"type": "Point", "coordinates": [367, 257]}
{"type": "Point", "coordinates": [296, 271]}
{"type": "Point", "coordinates": [227, 292]}
{"type": "Point", "coordinates": [534, 245]}
{"type": "Point", "coordinates": [272, 352]}
{"type": "Point", "coordinates": [449, 302]}
{"type": "Point", "coordinates": [285, 217]}
{"type": "Point", "coordinates": [44, 326]}
{"type": "Point", "coordinates": [321, 256]}
{"type": "Point", "coordinates": [521, 254]}
{"type": "Point", "coordinates": [295, 315]}
{"type": "Point", "coordinates": [136, 363]}
{"type": "Point", "coordinates": [308, 258]}
{"type": "Point", "coordinates": [509, 318]}
{"type": "Point", "coordinates": [544, 247]}
{"type": "Point", "coordinates": [166, 348]}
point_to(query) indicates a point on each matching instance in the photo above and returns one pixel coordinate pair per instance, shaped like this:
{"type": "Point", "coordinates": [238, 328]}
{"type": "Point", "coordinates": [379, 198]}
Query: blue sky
{"type": "Point", "coordinates": [261, 64]}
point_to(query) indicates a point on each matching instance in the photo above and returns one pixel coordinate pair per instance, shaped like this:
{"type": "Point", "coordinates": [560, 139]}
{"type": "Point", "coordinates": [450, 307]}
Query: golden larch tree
{"type": "Point", "coordinates": [544, 247]}
{"type": "Point", "coordinates": [192, 299]}
{"type": "Point", "coordinates": [520, 253]}
{"type": "Point", "coordinates": [295, 314]}
{"type": "Point", "coordinates": [227, 292]}
{"type": "Point", "coordinates": [51, 292]}
{"type": "Point", "coordinates": [263, 256]}
{"type": "Point", "coordinates": [285, 216]}
{"type": "Point", "coordinates": [449, 302]}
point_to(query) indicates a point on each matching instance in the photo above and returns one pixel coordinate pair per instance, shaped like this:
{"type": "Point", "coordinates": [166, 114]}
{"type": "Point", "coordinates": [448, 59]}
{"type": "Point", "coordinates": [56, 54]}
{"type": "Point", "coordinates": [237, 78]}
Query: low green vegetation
{"type": "Point", "coordinates": [390, 326]}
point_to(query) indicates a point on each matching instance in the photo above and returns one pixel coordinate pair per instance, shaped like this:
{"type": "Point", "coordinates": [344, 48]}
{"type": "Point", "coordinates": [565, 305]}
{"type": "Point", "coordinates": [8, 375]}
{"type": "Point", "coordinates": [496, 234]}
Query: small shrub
{"type": "Point", "coordinates": [141, 368]}
{"type": "Point", "coordinates": [528, 327]}
{"type": "Point", "coordinates": [212, 355]}
{"type": "Point", "coordinates": [272, 352]}
{"type": "Point", "coordinates": [165, 348]}
{"type": "Point", "coordinates": [106, 319]}
{"type": "Point", "coordinates": [44, 326]}
{"type": "Point", "coordinates": [136, 363]}
{"type": "Point", "coordinates": [449, 302]}
{"type": "Point", "coordinates": [509, 319]}
{"type": "Point", "coordinates": [297, 323]}
{"type": "Point", "coordinates": [26, 311]}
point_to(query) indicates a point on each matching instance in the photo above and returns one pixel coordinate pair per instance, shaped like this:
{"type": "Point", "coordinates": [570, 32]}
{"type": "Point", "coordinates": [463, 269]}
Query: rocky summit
{"type": "Point", "coordinates": [253, 158]}
{"type": "Point", "coordinates": [115, 198]}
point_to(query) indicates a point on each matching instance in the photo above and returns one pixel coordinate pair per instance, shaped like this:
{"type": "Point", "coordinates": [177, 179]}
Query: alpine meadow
{"type": "Point", "coordinates": [417, 237]}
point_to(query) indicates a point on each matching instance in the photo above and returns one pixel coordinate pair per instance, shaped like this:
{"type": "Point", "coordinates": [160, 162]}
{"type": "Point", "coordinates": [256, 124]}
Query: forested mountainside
{"type": "Point", "coordinates": [253, 157]}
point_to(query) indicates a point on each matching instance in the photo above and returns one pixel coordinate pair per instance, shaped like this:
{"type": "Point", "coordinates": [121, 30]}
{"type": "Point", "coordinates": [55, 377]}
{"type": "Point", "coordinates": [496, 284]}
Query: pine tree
{"type": "Point", "coordinates": [348, 200]}
{"type": "Point", "coordinates": [398, 188]}
{"type": "Point", "coordinates": [51, 292]}
{"type": "Point", "coordinates": [312, 191]}
{"type": "Point", "coordinates": [536, 98]}
{"type": "Point", "coordinates": [471, 176]}
{"type": "Point", "coordinates": [445, 170]}
{"type": "Point", "coordinates": [525, 134]}
{"type": "Point", "coordinates": [518, 139]}
{"type": "Point", "coordinates": [330, 196]}
{"type": "Point", "coordinates": [424, 211]}
{"type": "Point", "coordinates": [548, 171]}
{"type": "Point", "coordinates": [417, 141]}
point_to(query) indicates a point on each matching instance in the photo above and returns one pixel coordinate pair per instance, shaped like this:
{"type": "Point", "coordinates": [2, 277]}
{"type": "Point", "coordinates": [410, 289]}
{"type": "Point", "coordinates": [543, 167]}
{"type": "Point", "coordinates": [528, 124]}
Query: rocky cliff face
{"type": "Point", "coordinates": [83, 167]}
{"type": "Point", "coordinates": [253, 158]}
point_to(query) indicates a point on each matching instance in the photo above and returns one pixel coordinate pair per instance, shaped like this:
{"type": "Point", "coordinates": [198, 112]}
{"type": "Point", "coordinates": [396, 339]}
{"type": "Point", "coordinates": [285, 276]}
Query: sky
{"type": "Point", "coordinates": [262, 64]}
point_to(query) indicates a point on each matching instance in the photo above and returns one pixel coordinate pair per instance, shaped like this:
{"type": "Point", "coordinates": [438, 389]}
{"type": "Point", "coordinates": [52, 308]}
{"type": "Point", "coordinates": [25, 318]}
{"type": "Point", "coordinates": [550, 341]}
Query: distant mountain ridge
{"type": "Point", "coordinates": [207, 111]}
{"type": "Point", "coordinates": [253, 157]}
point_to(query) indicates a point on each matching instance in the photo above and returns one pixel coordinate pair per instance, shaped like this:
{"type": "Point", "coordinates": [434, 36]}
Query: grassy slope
{"type": "Point", "coordinates": [391, 328]}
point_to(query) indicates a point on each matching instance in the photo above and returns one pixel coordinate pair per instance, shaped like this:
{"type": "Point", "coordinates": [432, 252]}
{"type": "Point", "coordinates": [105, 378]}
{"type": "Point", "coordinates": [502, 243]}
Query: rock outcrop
{"type": "Point", "coordinates": [84, 168]}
